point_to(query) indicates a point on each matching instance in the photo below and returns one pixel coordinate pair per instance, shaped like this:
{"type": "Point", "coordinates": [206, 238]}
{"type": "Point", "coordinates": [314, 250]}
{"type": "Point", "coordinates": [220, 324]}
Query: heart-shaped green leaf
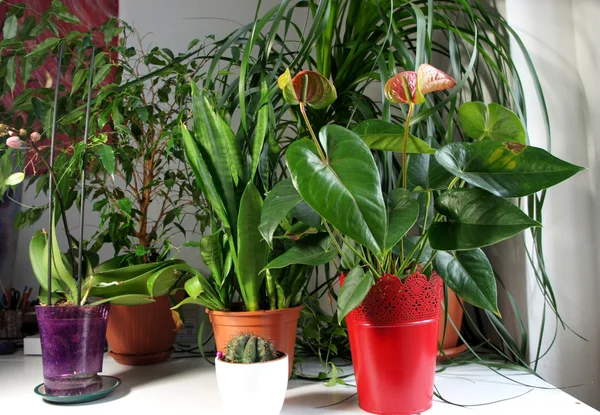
{"type": "Point", "coordinates": [505, 169]}
{"type": "Point", "coordinates": [311, 250]}
{"type": "Point", "coordinates": [403, 211]}
{"type": "Point", "coordinates": [381, 135]}
{"type": "Point", "coordinates": [345, 189]}
{"type": "Point", "coordinates": [494, 122]}
{"type": "Point", "coordinates": [278, 203]}
{"type": "Point", "coordinates": [470, 275]}
{"type": "Point", "coordinates": [356, 287]}
{"type": "Point", "coordinates": [425, 173]}
{"type": "Point", "coordinates": [307, 87]}
{"type": "Point", "coordinates": [476, 219]}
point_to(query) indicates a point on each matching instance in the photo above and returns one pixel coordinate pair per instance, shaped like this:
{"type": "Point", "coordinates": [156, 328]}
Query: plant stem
{"type": "Point", "coordinates": [404, 144]}
{"type": "Point", "coordinates": [312, 133]}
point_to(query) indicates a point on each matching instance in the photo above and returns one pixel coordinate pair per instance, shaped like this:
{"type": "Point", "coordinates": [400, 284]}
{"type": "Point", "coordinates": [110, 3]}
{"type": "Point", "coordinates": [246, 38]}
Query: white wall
{"type": "Point", "coordinates": [559, 37]}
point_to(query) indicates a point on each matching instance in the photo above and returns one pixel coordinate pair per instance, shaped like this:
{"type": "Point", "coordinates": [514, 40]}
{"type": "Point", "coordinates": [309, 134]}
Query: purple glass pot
{"type": "Point", "coordinates": [73, 340]}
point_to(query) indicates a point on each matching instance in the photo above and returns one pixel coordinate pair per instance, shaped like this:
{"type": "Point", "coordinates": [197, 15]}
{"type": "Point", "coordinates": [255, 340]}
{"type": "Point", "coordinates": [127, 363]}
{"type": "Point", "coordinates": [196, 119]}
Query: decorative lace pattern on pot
{"type": "Point", "coordinates": [393, 301]}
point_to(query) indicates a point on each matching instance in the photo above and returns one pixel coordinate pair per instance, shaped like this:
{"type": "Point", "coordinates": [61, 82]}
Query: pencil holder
{"type": "Point", "coordinates": [10, 326]}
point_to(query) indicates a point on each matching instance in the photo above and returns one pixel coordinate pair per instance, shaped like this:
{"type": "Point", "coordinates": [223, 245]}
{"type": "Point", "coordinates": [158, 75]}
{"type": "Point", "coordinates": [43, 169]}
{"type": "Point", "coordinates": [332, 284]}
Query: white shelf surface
{"type": "Point", "coordinates": [188, 385]}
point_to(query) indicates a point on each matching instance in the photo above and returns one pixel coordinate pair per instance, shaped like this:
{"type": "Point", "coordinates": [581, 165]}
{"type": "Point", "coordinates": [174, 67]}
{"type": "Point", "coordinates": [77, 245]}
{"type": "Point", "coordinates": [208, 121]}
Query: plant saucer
{"type": "Point", "coordinates": [109, 384]}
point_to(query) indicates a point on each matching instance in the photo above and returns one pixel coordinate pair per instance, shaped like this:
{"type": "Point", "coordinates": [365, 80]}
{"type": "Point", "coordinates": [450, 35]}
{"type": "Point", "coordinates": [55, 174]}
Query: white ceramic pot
{"type": "Point", "coordinates": [253, 388]}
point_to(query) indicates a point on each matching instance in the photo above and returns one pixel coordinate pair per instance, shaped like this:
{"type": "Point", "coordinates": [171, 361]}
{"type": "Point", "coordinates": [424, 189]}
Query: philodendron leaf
{"type": "Point", "coordinates": [493, 121]}
{"type": "Point", "coordinates": [476, 218]}
{"type": "Point", "coordinates": [307, 87]}
{"type": "Point", "coordinates": [311, 250]}
{"type": "Point", "coordinates": [381, 135]}
{"type": "Point", "coordinates": [356, 287]}
{"type": "Point", "coordinates": [278, 203]}
{"type": "Point", "coordinates": [345, 189]}
{"type": "Point", "coordinates": [470, 275]}
{"type": "Point", "coordinates": [505, 169]}
{"type": "Point", "coordinates": [403, 211]}
{"type": "Point", "coordinates": [253, 250]}
{"type": "Point", "coordinates": [425, 173]}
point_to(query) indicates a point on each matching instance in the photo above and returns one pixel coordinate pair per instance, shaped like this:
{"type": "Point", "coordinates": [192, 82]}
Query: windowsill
{"type": "Point", "coordinates": [189, 385]}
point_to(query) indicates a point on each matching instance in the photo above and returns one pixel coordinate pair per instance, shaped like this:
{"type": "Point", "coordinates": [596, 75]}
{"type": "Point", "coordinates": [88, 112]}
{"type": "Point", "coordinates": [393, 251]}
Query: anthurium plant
{"type": "Point", "coordinates": [264, 254]}
{"type": "Point", "coordinates": [465, 185]}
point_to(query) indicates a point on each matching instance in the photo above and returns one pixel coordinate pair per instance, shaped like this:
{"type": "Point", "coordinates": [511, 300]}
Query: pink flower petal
{"type": "Point", "coordinates": [430, 79]}
{"type": "Point", "coordinates": [14, 142]}
{"type": "Point", "coordinates": [394, 88]}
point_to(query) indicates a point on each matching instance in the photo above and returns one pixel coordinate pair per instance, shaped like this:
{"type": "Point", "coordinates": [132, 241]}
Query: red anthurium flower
{"type": "Point", "coordinates": [410, 87]}
{"type": "Point", "coordinates": [307, 87]}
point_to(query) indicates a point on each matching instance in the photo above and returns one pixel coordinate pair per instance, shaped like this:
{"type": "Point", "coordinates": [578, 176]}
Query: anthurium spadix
{"type": "Point", "coordinates": [410, 87]}
{"type": "Point", "coordinates": [307, 88]}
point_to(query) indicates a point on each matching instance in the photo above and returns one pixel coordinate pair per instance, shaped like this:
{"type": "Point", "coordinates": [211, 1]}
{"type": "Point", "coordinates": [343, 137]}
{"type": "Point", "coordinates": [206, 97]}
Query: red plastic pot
{"type": "Point", "coordinates": [394, 344]}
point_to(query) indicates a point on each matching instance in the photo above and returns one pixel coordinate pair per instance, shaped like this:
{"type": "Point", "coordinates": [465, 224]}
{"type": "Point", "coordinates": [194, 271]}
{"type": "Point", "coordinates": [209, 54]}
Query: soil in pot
{"type": "Point", "coordinates": [279, 326]}
{"type": "Point", "coordinates": [142, 334]}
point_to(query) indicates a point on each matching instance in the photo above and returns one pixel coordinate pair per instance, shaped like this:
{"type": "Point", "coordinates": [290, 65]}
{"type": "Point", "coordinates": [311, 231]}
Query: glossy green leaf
{"type": "Point", "coordinates": [125, 205]}
{"type": "Point", "coordinates": [15, 178]}
{"type": "Point", "coordinates": [403, 211]}
{"type": "Point", "coordinates": [345, 189]}
{"type": "Point", "coordinates": [253, 250]}
{"type": "Point", "coordinates": [162, 281]}
{"type": "Point", "coordinates": [425, 173]}
{"type": "Point", "coordinates": [126, 299]}
{"type": "Point", "coordinates": [38, 258]}
{"type": "Point", "coordinates": [470, 275]}
{"type": "Point", "coordinates": [11, 25]}
{"type": "Point", "coordinates": [78, 79]}
{"type": "Point", "coordinates": [44, 47]}
{"type": "Point", "coordinates": [278, 203]}
{"type": "Point", "coordinates": [505, 169]}
{"type": "Point", "coordinates": [107, 157]}
{"type": "Point", "coordinates": [11, 73]}
{"type": "Point", "coordinates": [476, 218]}
{"type": "Point", "coordinates": [494, 122]}
{"type": "Point", "coordinates": [311, 250]}
{"type": "Point", "coordinates": [381, 135]}
{"type": "Point", "coordinates": [356, 287]}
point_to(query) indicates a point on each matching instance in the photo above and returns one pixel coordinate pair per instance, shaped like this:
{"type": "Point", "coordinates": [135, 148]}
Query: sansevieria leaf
{"type": "Point", "coordinates": [345, 189]}
{"type": "Point", "coordinates": [470, 275]}
{"type": "Point", "coordinates": [278, 203]}
{"type": "Point", "coordinates": [505, 169]}
{"type": "Point", "coordinates": [476, 218]}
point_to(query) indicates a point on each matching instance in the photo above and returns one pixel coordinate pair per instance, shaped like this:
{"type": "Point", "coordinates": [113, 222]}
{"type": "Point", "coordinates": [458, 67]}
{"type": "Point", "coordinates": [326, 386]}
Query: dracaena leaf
{"type": "Point", "coordinates": [307, 87]}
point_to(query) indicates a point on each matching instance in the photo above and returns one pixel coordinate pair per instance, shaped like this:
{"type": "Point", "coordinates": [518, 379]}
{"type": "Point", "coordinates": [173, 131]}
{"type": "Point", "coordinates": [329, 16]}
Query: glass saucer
{"type": "Point", "coordinates": [109, 384]}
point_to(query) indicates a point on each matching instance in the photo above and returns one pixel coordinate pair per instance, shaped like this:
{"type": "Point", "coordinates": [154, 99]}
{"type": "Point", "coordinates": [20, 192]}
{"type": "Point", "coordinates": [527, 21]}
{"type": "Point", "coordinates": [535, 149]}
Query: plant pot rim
{"type": "Point", "coordinates": [282, 356]}
{"type": "Point", "coordinates": [248, 313]}
{"type": "Point", "coordinates": [68, 305]}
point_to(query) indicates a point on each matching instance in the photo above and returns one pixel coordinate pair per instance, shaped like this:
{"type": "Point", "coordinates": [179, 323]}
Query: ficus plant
{"type": "Point", "coordinates": [467, 185]}
{"type": "Point", "coordinates": [266, 255]}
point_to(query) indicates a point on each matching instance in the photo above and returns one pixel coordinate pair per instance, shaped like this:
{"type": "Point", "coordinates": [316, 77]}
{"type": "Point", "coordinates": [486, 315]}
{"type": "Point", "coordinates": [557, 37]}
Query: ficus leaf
{"type": "Point", "coordinates": [107, 157]}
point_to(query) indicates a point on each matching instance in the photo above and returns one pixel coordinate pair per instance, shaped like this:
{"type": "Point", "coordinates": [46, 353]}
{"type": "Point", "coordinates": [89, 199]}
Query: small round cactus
{"type": "Point", "coordinates": [248, 348]}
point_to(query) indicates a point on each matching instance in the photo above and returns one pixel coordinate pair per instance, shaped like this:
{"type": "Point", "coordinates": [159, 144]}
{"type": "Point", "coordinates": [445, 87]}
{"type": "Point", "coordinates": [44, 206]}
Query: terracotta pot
{"type": "Point", "coordinates": [393, 340]}
{"type": "Point", "coordinates": [450, 340]}
{"type": "Point", "coordinates": [142, 334]}
{"type": "Point", "coordinates": [277, 325]}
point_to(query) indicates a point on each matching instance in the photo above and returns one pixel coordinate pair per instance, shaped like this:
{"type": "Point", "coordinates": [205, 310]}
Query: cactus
{"type": "Point", "coordinates": [248, 348]}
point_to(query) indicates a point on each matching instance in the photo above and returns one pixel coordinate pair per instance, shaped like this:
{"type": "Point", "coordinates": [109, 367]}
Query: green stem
{"type": "Point", "coordinates": [404, 144]}
{"type": "Point", "coordinates": [312, 133]}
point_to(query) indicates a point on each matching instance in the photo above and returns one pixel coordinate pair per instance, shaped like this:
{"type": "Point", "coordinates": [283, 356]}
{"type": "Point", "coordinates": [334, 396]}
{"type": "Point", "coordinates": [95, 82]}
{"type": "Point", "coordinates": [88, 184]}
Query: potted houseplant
{"type": "Point", "coordinates": [252, 375]}
{"type": "Point", "coordinates": [134, 160]}
{"type": "Point", "coordinates": [268, 272]}
{"type": "Point", "coordinates": [388, 285]}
